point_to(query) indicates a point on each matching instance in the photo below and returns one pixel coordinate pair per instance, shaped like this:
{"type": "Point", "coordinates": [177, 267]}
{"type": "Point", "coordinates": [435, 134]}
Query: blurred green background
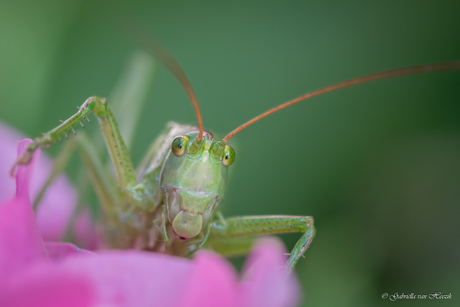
{"type": "Point", "coordinates": [377, 164]}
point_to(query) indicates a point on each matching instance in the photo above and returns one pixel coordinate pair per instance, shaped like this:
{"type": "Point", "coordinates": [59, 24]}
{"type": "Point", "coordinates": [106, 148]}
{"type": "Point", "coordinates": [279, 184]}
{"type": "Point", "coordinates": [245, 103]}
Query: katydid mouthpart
{"type": "Point", "coordinates": [168, 204]}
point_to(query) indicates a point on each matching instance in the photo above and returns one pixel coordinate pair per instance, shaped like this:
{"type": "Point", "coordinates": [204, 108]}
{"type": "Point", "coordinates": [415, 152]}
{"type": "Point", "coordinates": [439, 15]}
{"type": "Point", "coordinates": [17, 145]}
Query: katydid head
{"type": "Point", "coordinates": [193, 179]}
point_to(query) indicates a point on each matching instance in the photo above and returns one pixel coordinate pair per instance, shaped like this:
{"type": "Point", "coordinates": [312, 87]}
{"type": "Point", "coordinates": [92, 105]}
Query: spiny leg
{"type": "Point", "coordinates": [116, 146]}
{"type": "Point", "coordinates": [55, 134]}
{"type": "Point", "coordinates": [247, 226]}
{"type": "Point", "coordinates": [120, 212]}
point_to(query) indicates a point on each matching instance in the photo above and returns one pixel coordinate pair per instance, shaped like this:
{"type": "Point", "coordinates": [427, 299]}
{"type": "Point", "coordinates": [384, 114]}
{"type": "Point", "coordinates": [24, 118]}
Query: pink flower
{"type": "Point", "coordinates": [35, 273]}
{"type": "Point", "coordinates": [53, 214]}
{"type": "Point", "coordinates": [59, 201]}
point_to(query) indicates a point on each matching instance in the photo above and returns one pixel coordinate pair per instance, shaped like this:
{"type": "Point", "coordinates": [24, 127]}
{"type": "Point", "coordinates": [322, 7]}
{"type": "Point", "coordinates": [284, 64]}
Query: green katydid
{"type": "Point", "coordinates": [169, 203]}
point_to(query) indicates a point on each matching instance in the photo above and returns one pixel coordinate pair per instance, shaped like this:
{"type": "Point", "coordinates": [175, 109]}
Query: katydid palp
{"type": "Point", "coordinates": [169, 203]}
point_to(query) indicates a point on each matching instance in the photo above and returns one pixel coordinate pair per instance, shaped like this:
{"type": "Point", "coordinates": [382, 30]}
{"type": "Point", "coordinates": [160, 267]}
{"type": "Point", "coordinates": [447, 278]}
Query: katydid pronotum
{"type": "Point", "coordinates": [168, 204]}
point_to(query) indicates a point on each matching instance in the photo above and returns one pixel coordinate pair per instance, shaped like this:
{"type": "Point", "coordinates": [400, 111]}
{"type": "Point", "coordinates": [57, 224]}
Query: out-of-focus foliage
{"type": "Point", "coordinates": [377, 164]}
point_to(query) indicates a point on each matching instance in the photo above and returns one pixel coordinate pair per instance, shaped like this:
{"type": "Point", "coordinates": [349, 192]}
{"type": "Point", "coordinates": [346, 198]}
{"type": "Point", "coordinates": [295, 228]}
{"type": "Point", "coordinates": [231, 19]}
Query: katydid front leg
{"type": "Point", "coordinates": [238, 229]}
{"type": "Point", "coordinates": [117, 148]}
{"type": "Point", "coordinates": [127, 182]}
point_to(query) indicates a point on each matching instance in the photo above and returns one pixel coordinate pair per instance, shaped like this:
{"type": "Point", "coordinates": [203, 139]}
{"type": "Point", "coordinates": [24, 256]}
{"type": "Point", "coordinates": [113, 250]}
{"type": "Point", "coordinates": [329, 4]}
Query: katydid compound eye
{"type": "Point", "coordinates": [229, 156]}
{"type": "Point", "coordinates": [179, 145]}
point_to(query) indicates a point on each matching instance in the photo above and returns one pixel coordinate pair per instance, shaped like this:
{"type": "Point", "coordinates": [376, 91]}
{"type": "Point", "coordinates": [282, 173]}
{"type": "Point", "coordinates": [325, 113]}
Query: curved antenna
{"type": "Point", "coordinates": [445, 66]}
{"type": "Point", "coordinates": [140, 35]}
{"type": "Point", "coordinates": [166, 58]}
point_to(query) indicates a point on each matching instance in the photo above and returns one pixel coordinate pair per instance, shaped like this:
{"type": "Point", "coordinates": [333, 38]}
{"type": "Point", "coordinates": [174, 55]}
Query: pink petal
{"type": "Point", "coordinates": [212, 282]}
{"type": "Point", "coordinates": [59, 250]}
{"type": "Point", "coordinates": [20, 242]}
{"type": "Point", "coordinates": [56, 290]}
{"type": "Point", "coordinates": [85, 232]}
{"type": "Point", "coordinates": [8, 145]}
{"type": "Point", "coordinates": [24, 172]}
{"type": "Point", "coordinates": [58, 202]}
{"type": "Point", "coordinates": [136, 278]}
{"type": "Point", "coordinates": [126, 278]}
{"type": "Point", "coordinates": [265, 282]}
{"type": "Point", "coordinates": [57, 205]}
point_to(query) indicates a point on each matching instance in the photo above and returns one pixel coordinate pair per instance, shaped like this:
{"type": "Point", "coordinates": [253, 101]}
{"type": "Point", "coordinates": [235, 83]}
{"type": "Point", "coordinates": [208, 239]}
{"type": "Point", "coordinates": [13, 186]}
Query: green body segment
{"type": "Point", "coordinates": [256, 225]}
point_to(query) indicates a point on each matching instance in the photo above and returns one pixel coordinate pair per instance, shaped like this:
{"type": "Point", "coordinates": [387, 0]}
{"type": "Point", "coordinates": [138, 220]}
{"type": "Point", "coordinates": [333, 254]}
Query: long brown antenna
{"type": "Point", "coordinates": [166, 58]}
{"type": "Point", "coordinates": [376, 76]}
{"type": "Point", "coordinates": [142, 36]}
